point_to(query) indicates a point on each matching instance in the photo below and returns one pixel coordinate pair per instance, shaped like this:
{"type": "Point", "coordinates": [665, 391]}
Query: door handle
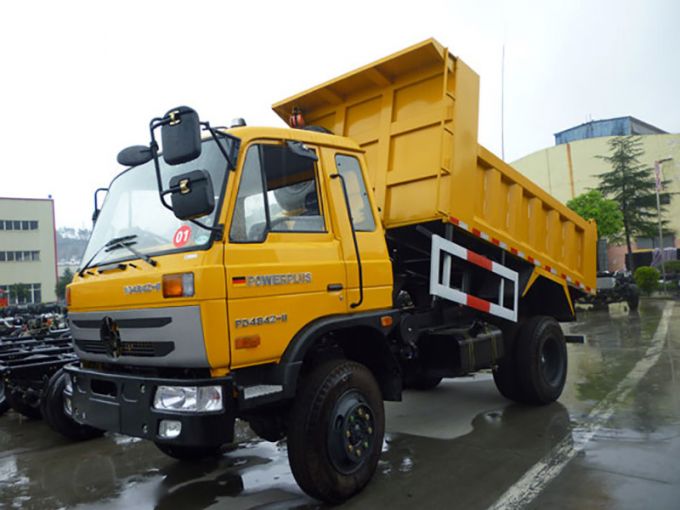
{"type": "Point", "coordinates": [334, 287]}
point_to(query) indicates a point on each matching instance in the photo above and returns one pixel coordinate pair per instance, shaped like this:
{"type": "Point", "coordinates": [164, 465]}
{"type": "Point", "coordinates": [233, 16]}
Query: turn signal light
{"type": "Point", "coordinates": [68, 296]}
{"type": "Point", "coordinates": [178, 285]}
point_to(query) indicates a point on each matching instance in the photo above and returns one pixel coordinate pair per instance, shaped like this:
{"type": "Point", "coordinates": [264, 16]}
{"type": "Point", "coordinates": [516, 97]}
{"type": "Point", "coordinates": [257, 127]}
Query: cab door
{"type": "Point", "coordinates": [285, 268]}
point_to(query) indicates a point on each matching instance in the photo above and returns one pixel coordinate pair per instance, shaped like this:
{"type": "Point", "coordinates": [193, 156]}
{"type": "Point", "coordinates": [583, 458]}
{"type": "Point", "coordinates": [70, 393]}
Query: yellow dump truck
{"type": "Point", "coordinates": [298, 277]}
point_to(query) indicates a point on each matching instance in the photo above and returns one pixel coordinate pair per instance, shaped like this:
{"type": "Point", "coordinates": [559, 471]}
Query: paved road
{"type": "Point", "coordinates": [612, 441]}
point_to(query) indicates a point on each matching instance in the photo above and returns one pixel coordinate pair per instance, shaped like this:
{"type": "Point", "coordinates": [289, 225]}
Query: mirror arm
{"type": "Point", "coordinates": [213, 133]}
{"type": "Point", "coordinates": [155, 123]}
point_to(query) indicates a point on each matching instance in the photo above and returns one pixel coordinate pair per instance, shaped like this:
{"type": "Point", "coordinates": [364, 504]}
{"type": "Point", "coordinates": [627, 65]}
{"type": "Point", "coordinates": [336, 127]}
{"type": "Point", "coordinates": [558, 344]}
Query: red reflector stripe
{"type": "Point", "coordinates": [547, 268]}
{"type": "Point", "coordinates": [514, 251]}
{"type": "Point", "coordinates": [455, 221]}
{"type": "Point", "coordinates": [495, 241]}
{"type": "Point", "coordinates": [530, 259]}
{"type": "Point", "coordinates": [478, 304]}
{"type": "Point", "coordinates": [476, 232]}
{"type": "Point", "coordinates": [479, 260]}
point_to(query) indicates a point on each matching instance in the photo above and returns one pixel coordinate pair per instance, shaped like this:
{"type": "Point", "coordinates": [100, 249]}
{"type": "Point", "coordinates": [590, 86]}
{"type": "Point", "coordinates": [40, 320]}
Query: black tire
{"type": "Point", "coordinates": [22, 406]}
{"type": "Point", "coordinates": [336, 431]}
{"type": "Point", "coordinates": [52, 408]}
{"type": "Point", "coordinates": [506, 378]}
{"type": "Point", "coordinates": [422, 382]}
{"type": "Point", "coordinates": [541, 360]}
{"type": "Point", "coordinates": [189, 453]}
{"type": "Point", "coordinates": [4, 405]}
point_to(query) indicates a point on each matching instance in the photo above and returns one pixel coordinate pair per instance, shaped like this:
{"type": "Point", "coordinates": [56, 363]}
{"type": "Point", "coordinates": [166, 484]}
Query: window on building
{"type": "Point", "coordinates": [2, 224]}
{"type": "Point", "coordinates": [16, 225]}
{"type": "Point", "coordinates": [34, 225]}
{"type": "Point", "coordinates": [29, 293]}
{"type": "Point", "coordinates": [35, 255]}
{"type": "Point", "coordinates": [2, 256]}
{"type": "Point", "coordinates": [8, 224]}
{"type": "Point", "coordinates": [24, 225]}
{"type": "Point", "coordinates": [10, 256]}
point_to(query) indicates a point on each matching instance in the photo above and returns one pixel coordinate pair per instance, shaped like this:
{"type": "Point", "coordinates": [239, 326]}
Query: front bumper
{"type": "Point", "coordinates": [124, 403]}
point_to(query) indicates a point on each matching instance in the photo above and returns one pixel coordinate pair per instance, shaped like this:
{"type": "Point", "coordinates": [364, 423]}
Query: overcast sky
{"type": "Point", "coordinates": [81, 80]}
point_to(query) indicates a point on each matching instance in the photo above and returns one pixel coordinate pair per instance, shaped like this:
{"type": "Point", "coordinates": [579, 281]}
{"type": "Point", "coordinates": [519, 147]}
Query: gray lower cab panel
{"type": "Point", "coordinates": [165, 337]}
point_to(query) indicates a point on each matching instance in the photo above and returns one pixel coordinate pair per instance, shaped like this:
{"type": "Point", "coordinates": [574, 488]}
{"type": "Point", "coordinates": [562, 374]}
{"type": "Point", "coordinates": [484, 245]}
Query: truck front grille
{"type": "Point", "coordinates": [144, 349]}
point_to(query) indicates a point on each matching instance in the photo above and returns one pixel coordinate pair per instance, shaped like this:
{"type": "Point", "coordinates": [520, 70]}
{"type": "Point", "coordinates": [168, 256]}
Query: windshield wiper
{"type": "Point", "coordinates": [127, 243]}
{"type": "Point", "coordinates": [118, 242]}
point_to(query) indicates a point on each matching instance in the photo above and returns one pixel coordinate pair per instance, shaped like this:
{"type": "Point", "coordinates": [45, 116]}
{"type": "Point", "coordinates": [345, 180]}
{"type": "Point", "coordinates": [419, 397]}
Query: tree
{"type": "Point", "coordinates": [63, 281]}
{"type": "Point", "coordinates": [20, 291]}
{"type": "Point", "coordinates": [593, 206]}
{"type": "Point", "coordinates": [632, 186]}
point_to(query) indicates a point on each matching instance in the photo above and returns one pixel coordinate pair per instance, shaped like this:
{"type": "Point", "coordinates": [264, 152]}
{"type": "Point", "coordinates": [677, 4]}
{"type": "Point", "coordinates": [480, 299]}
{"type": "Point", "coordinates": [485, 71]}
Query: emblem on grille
{"type": "Point", "coordinates": [110, 336]}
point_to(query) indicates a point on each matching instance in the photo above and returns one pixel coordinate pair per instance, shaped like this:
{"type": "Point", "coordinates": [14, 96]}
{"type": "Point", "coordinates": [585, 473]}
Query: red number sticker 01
{"type": "Point", "coordinates": [182, 235]}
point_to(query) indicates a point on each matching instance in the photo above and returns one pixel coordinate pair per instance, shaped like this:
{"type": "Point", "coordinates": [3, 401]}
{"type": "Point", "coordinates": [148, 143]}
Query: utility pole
{"type": "Point", "coordinates": [503, 104]}
{"type": "Point", "coordinates": [657, 175]}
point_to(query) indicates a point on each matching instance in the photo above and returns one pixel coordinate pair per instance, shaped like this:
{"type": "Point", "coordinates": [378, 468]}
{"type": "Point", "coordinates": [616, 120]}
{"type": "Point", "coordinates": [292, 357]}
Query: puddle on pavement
{"type": "Point", "coordinates": [460, 443]}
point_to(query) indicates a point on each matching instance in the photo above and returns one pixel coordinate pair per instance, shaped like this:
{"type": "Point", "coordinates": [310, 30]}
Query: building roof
{"type": "Point", "coordinates": [618, 126]}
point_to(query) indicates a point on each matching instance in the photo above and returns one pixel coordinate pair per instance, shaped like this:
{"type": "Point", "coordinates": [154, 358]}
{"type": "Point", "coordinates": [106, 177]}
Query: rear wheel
{"type": "Point", "coordinates": [535, 369]}
{"type": "Point", "coordinates": [541, 360]}
{"type": "Point", "coordinates": [336, 431]}
{"type": "Point", "coordinates": [189, 453]}
{"type": "Point", "coordinates": [52, 408]}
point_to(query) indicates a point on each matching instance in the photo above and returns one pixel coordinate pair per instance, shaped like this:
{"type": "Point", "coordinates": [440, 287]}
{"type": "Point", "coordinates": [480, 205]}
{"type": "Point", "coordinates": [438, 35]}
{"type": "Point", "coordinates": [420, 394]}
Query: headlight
{"type": "Point", "coordinates": [188, 399]}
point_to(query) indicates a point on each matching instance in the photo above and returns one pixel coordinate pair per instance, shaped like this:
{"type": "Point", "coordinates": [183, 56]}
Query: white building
{"type": "Point", "coordinates": [27, 250]}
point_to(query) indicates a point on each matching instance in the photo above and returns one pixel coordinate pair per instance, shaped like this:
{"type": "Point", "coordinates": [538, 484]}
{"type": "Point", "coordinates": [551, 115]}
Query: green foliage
{"type": "Point", "coordinates": [20, 291]}
{"type": "Point", "coordinates": [632, 186]}
{"type": "Point", "coordinates": [62, 282]}
{"type": "Point", "coordinates": [672, 267]}
{"type": "Point", "coordinates": [593, 206]}
{"type": "Point", "coordinates": [647, 279]}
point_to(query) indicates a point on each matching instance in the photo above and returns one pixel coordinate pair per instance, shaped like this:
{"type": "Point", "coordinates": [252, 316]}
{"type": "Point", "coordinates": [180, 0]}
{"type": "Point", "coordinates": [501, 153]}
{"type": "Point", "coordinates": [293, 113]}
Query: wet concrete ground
{"type": "Point", "coordinates": [611, 441]}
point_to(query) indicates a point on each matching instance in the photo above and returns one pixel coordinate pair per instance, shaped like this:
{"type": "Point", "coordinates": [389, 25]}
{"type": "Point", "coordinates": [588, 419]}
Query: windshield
{"type": "Point", "coordinates": [132, 208]}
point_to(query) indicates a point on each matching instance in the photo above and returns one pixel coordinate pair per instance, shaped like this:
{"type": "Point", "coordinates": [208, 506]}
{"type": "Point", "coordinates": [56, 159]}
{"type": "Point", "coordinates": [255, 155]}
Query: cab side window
{"type": "Point", "coordinates": [278, 193]}
{"type": "Point", "coordinates": [362, 215]}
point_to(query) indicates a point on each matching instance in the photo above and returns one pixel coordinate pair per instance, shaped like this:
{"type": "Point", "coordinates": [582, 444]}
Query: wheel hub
{"type": "Point", "coordinates": [351, 437]}
{"type": "Point", "coordinates": [551, 366]}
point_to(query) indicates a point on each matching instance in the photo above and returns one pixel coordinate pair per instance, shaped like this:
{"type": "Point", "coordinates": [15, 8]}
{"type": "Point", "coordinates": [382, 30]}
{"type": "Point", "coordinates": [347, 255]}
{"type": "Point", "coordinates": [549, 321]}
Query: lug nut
{"type": "Point", "coordinates": [350, 447]}
{"type": "Point", "coordinates": [359, 452]}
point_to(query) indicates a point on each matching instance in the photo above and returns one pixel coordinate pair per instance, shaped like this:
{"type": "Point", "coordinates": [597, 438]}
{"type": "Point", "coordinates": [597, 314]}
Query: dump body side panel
{"type": "Point", "coordinates": [415, 114]}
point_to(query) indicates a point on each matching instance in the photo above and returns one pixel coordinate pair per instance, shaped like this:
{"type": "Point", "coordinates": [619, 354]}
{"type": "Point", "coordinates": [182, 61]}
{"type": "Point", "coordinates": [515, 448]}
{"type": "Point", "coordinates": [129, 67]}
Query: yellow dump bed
{"type": "Point", "coordinates": [415, 114]}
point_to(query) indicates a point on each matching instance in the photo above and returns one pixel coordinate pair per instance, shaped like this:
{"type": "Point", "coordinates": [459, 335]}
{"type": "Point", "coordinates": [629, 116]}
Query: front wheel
{"type": "Point", "coordinates": [336, 431]}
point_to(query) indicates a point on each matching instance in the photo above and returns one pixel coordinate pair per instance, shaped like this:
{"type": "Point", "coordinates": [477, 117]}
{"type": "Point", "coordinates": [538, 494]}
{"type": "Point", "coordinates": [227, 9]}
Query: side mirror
{"type": "Point", "coordinates": [135, 155]}
{"type": "Point", "coordinates": [181, 136]}
{"type": "Point", "coordinates": [97, 209]}
{"type": "Point", "coordinates": [192, 195]}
